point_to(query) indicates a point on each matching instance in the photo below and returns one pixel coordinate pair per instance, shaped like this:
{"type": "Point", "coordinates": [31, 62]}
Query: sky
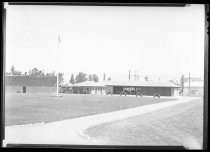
{"type": "Point", "coordinates": [159, 42]}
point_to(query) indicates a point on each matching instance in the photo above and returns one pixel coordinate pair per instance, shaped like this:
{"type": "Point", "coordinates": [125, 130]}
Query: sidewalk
{"type": "Point", "coordinates": [71, 131]}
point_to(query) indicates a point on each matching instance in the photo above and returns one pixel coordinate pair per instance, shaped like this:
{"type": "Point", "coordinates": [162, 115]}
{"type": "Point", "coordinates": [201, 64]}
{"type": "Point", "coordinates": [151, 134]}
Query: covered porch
{"type": "Point", "coordinates": [88, 87]}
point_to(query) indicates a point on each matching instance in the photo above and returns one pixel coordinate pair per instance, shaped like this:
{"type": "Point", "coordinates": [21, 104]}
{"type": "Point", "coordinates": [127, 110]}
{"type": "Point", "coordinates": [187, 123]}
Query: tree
{"type": "Point", "coordinates": [13, 70]}
{"type": "Point", "coordinates": [72, 80]}
{"type": "Point", "coordinates": [52, 74]}
{"type": "Point", "coordinates": [90, 77]}
{"type": "Point", "coordinates": [36, 72]}
{"type": "Point", "coordinates": [43, 74]}
{"type": "Point", "coordinates": [81, 77]}
{"type": "Point", "coordinates": [29, 73]}
{"type": "Point", "coordinates": [104, 78]}
{"type": "Point", "coordinates": [18, 73]}
{"type": "Point", "coordinates": [60, 79]}
{"type": "Point", "coordinates": [95, 78]}
{"type": "Point", "coordinates": [146, 78]}
{"type": "Point", "coordinates": [109, 79]}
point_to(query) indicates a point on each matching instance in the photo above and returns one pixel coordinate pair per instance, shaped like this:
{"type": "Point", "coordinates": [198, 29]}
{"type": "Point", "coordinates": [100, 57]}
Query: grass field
{"type": "Point", "coordinates": [170, 126]}
{"type": "Point", "coordinates": [35, 108]}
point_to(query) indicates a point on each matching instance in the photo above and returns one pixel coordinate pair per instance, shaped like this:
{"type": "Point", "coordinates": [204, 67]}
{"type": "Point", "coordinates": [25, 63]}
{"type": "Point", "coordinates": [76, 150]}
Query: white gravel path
{"type": "Point", "coordinates": [71, 131]}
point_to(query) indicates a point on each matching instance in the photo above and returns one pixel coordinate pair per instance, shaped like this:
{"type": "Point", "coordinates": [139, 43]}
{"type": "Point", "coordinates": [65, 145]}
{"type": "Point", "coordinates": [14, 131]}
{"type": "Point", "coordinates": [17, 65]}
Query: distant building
{"type": "Point", "coordinates": [194, 87]}
{"type": "Point", "coordinates": [30, 84]}
{"type": "Point", "coordinates": [147, 87]}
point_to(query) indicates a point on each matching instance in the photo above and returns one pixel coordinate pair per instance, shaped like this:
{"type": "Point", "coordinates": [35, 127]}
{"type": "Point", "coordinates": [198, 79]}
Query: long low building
{"type": "Point", "coordinates": [147, 87]}
{"type": "Point", "coordinates": [116, 87]}
{"type": "Point", "coordinates": [30, 84]}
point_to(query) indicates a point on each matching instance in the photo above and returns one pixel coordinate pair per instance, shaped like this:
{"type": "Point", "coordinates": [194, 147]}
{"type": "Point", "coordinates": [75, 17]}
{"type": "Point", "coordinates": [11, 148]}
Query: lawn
{"type": "Point", "coordinates": [170, 127]}
{"type": "Point", "coordinates": [36, 108]}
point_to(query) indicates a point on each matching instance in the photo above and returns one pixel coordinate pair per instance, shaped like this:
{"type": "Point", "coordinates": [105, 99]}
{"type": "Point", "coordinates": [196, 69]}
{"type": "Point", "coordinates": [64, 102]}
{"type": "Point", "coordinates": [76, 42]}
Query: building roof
{"type": "Point", "coordinates": [126, 83]}
{"type": "Point", "coordinates": [141, 84]}
{"type": "Point", "coordinates": [31, 81]}
{"type": "Point", "coordinates": [88, 84]}
{"type": "Point", "coordinates": [68, 85]}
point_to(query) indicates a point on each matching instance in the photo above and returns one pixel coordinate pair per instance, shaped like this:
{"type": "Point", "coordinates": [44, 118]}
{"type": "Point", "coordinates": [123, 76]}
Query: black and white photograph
{"type": "Point", "coordinates": [104, 75]}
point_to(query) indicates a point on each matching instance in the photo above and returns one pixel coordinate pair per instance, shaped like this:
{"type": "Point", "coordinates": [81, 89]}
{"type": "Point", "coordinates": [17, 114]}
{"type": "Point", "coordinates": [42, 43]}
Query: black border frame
{"type": "Point", "coordinates": [3, 52]}
{"type": "Point", "coordinates": [206, 71]}
{"type": "Point", "coordinates": [206, 62]}
{"type": "Point", "coordinates": [101, 4]}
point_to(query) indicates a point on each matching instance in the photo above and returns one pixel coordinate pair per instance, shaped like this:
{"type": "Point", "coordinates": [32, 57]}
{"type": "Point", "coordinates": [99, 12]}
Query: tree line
{"type": "Point", "coordinates": [81, 77]}
{"type": "Point", "coordinates": [32, 72]}
{"type": "Point", "coordinates": [36, 72]}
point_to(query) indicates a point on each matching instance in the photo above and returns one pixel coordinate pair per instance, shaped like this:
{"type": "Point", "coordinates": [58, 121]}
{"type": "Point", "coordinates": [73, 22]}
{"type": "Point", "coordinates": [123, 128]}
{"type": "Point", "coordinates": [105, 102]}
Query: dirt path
{"type": "Point", "coordinates": [71, 131]}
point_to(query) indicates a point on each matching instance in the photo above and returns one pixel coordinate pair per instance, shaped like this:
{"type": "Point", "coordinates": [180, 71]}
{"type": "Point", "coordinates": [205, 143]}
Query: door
{"type": "Point", "coordinates": [24, 89]}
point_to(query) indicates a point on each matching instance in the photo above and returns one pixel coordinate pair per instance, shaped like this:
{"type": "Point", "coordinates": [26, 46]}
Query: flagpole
{"type": "Point", "coordinates": [57, 76]}
{"type": "Point", "coordinates": [58, 66]}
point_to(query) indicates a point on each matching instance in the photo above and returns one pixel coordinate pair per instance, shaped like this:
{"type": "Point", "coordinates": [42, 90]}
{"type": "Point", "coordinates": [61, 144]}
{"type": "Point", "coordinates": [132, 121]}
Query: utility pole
{"type": "Point", "coordinates": [189, 85]}
{"type": "Point", "coordinates": [129, 75]}
{"type": "Point", "coordinates": [182, 84]}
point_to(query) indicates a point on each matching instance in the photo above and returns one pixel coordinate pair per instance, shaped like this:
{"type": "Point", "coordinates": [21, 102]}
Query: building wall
{"type": "Point", "coordinates": [163, 91]}
{"type": "Point", "coordinates": [41, 89]}
{"type": "Point", "coordinates": [13, 89]}
{"type": "Point", "coordinates": [194, 91]}
{"type": "Point", "coordinates": [89, 90]}
{"type": "Point", "coordinates": [81, 90]}
{"type": "Point", "coordinates": [175, 91]}
{"type": "Point", "coordinates": [98, 90]}
{"type": "Point", "coordinates": [109, 89]}
{"type": "Point", "coordinates": [68, 90]}
{"type": "Point", "coordinates": [75, 90]}
{"type": "Point", "coordinates": [117, 90]}
{"type": "Point", "coordinates": [150, 91]}
{"type": "Point", "coordinates": [29, 89]}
